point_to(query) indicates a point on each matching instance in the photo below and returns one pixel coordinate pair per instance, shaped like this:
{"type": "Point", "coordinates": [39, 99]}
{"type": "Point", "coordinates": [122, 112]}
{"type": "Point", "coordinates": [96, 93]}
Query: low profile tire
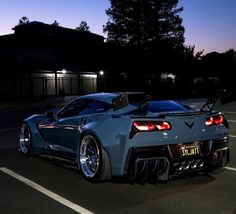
{"type": "Point", "coordinates": [92, 159]}
{"type": "Point", "coordinates": [25, 144]}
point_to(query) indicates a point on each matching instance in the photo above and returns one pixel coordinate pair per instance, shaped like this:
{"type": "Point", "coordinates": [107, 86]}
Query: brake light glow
{"type": "Point", "coordinates": [163, 126]}
{"type": "Point", "coordinates": [209, 121]}
{"type": "Point", "coordinates": [219, 119]}
{"type": "Point", "coordinates": [152, 126]}
{"type": "Point", "coordinates": [214, 120]}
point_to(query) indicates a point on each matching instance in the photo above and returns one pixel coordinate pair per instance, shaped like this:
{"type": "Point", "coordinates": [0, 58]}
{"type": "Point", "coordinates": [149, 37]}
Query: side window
{"type": "Point", "coordinates": [96, 107]}
{"type": "Point", "coordinates": [83, 107]}
{"type": "Point", "coordinates": [74, 108]}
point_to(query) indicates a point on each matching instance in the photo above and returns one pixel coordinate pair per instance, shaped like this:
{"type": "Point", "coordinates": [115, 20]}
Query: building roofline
{"type": "Point", "coordinates": [37, 23]}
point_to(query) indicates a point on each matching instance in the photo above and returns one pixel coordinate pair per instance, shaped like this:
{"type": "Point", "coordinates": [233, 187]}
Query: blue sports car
{"type": "Point", "coordinates": [127, 134]}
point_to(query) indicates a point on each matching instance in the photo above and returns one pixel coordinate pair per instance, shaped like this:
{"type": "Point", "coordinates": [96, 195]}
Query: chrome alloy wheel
{"type": "Point", "coordinates": [25, 139]}
{"type": "Point", "coordinates": [89, 156]}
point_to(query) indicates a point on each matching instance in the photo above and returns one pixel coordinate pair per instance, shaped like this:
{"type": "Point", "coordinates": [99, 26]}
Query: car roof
{"type": "Point", "coordinates": [104, 97]}
{"type": "Point", "coordinates": [107, 97]}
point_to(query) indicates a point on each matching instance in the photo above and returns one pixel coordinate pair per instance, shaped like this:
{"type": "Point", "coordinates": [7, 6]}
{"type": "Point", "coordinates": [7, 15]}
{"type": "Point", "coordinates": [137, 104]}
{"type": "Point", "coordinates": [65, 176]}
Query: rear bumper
{"type": "Point", "coordinates": [163, 162]}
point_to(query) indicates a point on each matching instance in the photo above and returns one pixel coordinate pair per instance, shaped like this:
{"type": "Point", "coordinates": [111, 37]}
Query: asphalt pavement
{"type": "Point", "coordinates": [29, 184]}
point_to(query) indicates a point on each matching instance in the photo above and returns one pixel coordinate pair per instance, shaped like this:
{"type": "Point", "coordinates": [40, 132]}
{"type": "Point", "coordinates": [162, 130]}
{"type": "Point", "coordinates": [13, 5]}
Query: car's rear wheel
{"type": "Point", "coordinates": [93, 161]}
{"type": "Point", "coordinates": [25, 139]}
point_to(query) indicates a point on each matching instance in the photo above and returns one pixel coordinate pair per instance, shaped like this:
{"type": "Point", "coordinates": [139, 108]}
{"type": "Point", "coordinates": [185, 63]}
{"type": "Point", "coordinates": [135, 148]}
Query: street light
{"type": "Point", "coordinates": [61, 91]}
{"type": "Point", "coordinates": [101, 80]}
{"type": "Point", "coordinates": [101, 73]}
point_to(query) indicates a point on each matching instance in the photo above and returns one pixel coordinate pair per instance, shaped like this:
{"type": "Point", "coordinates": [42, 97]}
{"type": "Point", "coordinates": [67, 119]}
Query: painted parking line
{"type": "Point", "coordinates": [230, 112]}
{"type": "Point", "coordinates": [232, 135]}
{"type": "Point", "coordinates": [230, 168]}
{"type": "Point", "coordinates": [45, 191]}
{"type": "Point", "coordinates": [9, 129]}
{"type": "Point", "coordinates": [232, 121]}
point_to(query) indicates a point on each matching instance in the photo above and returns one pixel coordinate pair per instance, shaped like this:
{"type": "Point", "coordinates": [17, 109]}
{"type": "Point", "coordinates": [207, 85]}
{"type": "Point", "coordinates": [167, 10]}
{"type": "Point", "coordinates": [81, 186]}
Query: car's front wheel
{"type": "Point", "coordinates": [92, 159]}
{"type": "Point", "coordinates": [25, 139]}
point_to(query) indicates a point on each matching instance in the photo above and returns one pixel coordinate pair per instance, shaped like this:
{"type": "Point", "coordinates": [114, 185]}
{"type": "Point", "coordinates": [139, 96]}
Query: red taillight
{"type": "Point", "coordinates": [151, 126]}
{"type": "Point", "coordinates": [219, 119]}
{"type": "Point", "coordinates": [209, 121]}
{"type": "Point", "coordinates": [163, 126]}
{"type": "Point", "coordinates": [144, 126]}
{"type": "Point", "coordinates": [214, 120]}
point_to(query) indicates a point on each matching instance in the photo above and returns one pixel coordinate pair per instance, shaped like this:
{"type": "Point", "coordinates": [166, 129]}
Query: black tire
{"type": "Point", "coordinates": [25, 141]}
{"type": "Point", "coordinates": [92, 159]}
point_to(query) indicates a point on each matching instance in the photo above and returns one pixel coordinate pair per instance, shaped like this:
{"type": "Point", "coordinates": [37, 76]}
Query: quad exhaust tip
{"type": "Point", "coordinates": [188, 165]}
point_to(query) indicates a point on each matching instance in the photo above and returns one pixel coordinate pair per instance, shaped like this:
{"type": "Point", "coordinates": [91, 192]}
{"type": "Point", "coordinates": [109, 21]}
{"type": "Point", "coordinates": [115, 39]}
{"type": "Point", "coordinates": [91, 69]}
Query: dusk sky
{"type": "Point", "coordinates": [209, 24]}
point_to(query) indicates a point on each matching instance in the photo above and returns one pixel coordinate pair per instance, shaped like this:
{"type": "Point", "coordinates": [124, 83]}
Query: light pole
{"type": "Point", "coordinates": [56, 83]}
{"type": "Point", "coordinates": [101, 77]}
{"type": "Point", "coordinates": [56, 80]}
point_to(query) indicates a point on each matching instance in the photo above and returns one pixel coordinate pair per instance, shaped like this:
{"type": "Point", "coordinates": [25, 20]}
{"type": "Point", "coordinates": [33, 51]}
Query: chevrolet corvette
{"type": "Point", "coordinates": [129, 135]}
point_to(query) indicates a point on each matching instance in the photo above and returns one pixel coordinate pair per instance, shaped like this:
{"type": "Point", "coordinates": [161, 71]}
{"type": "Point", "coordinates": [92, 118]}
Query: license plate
{"type": "Point", "coordinates": [192, 150]}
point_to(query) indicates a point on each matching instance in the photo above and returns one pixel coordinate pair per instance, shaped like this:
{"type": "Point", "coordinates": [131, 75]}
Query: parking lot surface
{"type": "Point", "coordinates": [36, 185]}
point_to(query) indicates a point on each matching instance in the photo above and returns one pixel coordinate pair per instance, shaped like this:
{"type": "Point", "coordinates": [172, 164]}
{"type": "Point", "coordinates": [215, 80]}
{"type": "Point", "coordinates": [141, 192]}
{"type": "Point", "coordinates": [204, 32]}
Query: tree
{"type": "Point", "coordinates": [83, 27]}
{"type": "Point", "coordinates": [23, 20]}
{"type": "Point", "coordinates": [56, 23]}
{"type": "Point", "coordinates": [230, 54]}
{"type": "Point", "coordinates": [145, 23]}
{"type": "Point", "coordinates": [188, 53]}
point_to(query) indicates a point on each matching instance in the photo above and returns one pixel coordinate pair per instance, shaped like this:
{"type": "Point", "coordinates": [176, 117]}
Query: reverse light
{"type": "Point", "coordinates": [214, 120]}
{"type": "Point", "coordinates": [143, 126]}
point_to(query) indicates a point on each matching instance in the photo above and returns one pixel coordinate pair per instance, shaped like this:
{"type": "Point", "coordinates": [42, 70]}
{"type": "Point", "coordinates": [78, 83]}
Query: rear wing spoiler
{"type": "Point", "coordinates": [124, 99]}
{"type": "Point", "coordinates": [223, 96]}
{"type": "Point", "coordinates": [209, 104]}
{"type": "Point", "coordinates": [120, 102]}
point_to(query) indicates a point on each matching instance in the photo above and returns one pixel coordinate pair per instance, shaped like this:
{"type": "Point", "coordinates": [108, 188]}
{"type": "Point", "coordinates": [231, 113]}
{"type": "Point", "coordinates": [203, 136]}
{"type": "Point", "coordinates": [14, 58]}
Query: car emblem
{"type": "Point", "coordinates": [190, 125]}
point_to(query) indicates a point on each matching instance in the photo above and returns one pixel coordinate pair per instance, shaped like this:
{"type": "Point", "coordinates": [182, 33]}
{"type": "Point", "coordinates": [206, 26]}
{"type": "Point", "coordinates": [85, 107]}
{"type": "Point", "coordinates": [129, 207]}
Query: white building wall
{"type": "Point", "coordinates": [44, 84]}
